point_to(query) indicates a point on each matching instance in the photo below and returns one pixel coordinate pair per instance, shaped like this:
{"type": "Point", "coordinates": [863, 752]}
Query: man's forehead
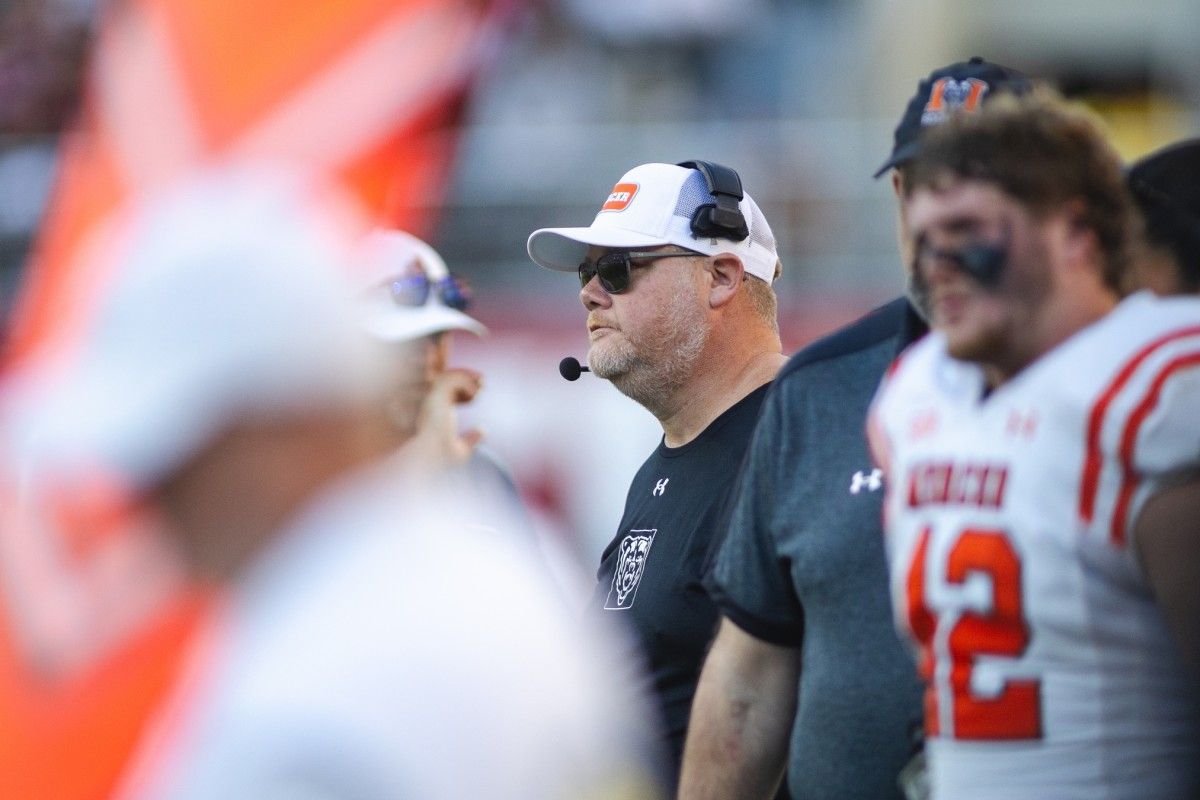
{"type": "Point", "coordinates": [951, 198]}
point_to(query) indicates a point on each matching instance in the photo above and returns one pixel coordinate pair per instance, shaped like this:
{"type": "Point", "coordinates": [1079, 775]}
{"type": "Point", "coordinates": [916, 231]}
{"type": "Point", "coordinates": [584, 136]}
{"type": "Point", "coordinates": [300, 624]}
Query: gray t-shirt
{"type": "Point", "coordinates": [803, 564]}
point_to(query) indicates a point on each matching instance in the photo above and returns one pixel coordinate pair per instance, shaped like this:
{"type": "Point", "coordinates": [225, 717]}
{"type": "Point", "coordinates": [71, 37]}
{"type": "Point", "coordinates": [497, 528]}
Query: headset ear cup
{"type": "Point", "coordinates": [701, 223]}
{"type": "Point", "coordinates": [709, 221]}
{"type": "Point", "coordinates": [723, 218]}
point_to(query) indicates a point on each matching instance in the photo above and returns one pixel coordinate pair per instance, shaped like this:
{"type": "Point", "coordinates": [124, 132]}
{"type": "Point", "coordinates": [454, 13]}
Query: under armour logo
{"type": "Point", "coordinates": [873, 482]}
{"type": "Point", "coordinates": [660, 488]}
{"type": "Point", "coordinates": [924, 424]}
{"type": "Point", "coordinates": [1021, 425]}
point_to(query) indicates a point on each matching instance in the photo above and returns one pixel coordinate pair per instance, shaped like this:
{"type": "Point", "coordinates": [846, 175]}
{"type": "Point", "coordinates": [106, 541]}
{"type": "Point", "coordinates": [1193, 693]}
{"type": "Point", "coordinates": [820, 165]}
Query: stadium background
{"type": "Point", "coordinates": [800, 97]}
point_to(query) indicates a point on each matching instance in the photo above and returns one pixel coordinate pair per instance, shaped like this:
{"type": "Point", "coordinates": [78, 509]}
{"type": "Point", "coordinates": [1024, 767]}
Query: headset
{"type": "Point", "coordinates": [722, 218]}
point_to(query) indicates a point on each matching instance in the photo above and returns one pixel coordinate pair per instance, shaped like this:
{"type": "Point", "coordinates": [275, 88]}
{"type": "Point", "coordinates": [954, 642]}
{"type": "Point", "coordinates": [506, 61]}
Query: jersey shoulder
{"type": "Point", "coordinates": [1144, 346]}
{"type": "Point", "coordinates": [1139, 327]}
{"type": "Point", "coordinates": [1136, 392]}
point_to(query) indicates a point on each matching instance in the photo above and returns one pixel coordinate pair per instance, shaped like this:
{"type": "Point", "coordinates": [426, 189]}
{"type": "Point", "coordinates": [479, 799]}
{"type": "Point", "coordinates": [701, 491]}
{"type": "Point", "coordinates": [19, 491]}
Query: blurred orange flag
{"type": "Point", "coordinates": [91, 636]}
{"type": "Point", "coordinates": [345, 87]}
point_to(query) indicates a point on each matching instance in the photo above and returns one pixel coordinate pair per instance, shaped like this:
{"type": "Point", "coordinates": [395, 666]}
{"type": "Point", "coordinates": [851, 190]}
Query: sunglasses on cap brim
{"type": "Point", "coordinates": [613, 269]}
{"type": "Point", "coordinates": [413, 291]}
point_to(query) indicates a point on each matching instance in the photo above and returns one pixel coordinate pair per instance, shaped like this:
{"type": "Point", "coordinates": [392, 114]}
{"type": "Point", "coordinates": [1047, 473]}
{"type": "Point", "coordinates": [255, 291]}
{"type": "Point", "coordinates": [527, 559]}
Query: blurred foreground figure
{"type": "Point", "coordinates": [1166, 188]}
{"type": "Point", "coordinates": [367, 644]}
{"type": "Point", "coordinates": [1041, 452]}
{"type": "Point", "coordinates": [414, 306]}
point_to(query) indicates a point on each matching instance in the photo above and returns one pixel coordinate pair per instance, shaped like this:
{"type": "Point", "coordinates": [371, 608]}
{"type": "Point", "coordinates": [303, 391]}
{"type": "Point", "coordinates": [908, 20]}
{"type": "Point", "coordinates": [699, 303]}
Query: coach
{"type": "Point", "coordinates": [675, 274]}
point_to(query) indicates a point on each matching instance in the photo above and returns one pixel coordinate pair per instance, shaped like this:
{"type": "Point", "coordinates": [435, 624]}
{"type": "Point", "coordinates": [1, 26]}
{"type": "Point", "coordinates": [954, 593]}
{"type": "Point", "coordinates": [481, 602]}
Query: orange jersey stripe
{"type": "Point", "coordinates": [1129, 479]}
{"type": "Point", "coordinates": [1093, 462]}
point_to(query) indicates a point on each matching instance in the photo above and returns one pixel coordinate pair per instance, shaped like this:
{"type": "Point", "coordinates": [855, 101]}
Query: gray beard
{"type": "Point", "coordinates": [652, 379]}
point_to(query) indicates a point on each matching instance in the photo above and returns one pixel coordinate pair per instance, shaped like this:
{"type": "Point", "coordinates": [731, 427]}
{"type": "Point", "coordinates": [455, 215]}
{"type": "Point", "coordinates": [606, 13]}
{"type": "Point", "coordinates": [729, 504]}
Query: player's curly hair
{"type": "Point", "coordinates": [1044, 152]}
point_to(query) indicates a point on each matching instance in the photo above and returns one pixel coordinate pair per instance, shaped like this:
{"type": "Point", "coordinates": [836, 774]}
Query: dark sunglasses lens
{"type": "Point", "coordinates": [613, 270]}
{"type": "Point", "coordinates": [412, 290]}
{"type": "Point", "coordinates": [454, 293]}
{"type": "Point", "coordinates": [587, 271]}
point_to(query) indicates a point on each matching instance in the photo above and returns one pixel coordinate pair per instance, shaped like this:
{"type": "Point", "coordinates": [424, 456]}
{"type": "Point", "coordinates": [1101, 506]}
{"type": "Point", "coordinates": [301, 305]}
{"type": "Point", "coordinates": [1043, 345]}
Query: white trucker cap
{"type": "Point", "coordinates": [652, 205]}
{"type": "Point", "coordinates": [395, 256]}
{"type": "Point", "coordinates": [232, 299]}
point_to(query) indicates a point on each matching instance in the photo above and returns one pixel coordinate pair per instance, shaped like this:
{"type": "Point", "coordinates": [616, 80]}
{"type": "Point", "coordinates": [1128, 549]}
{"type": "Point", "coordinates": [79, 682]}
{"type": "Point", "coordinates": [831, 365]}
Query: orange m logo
{"type": "Point", "coordinates": [949, 95]}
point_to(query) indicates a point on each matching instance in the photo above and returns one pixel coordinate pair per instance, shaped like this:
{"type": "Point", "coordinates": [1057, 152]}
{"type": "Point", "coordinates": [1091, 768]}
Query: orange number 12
{"type": "Point", "coordinates": [1014, 713]}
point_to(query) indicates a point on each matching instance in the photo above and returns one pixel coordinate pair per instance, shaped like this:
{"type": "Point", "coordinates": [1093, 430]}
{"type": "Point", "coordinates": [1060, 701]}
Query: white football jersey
{"type": "Point", "coordinates": [1049, 669]}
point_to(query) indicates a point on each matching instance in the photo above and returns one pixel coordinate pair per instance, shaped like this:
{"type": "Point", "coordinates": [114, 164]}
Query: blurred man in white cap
{"type": "Point", "coordinates": [368, 645]}
{"type": "Point", "coordinates": [413, 304]}
{"type": "Point", "coordinates": [675, 274]}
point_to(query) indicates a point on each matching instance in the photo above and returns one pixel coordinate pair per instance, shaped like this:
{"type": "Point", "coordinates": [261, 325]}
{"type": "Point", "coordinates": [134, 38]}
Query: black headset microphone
{"type": "Point", "coordinates": [571, 369]}
{"type": "Point", "coordinates": [722, 219]}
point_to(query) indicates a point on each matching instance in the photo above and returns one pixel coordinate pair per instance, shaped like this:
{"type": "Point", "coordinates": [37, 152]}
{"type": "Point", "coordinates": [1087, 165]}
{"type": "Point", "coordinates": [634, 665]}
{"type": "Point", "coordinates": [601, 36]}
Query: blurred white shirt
{"type": "Point", "coordinates": [381, 649]}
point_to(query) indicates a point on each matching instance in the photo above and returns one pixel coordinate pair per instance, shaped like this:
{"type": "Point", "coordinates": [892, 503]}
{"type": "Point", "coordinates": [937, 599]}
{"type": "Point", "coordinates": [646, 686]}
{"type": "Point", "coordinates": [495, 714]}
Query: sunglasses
{"type": "Point", "coordinates": [613, 269]}
{"type": "Point", "coordinates": [414, 290]}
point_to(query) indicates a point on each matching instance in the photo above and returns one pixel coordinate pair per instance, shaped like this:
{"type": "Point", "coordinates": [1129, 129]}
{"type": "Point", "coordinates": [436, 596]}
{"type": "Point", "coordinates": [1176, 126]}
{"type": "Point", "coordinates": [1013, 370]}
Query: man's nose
{"type": "Point", "coordinates": [593, 296]}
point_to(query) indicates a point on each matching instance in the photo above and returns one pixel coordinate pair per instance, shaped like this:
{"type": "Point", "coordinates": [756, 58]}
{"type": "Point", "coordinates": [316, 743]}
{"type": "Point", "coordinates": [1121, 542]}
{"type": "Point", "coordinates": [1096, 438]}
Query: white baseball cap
{"type": "Point", "coordinates": [396, 258]}
{"type": "Point", "coordinates": [650, 206]}
{"type": "Point", "coordinates": [232, 300]}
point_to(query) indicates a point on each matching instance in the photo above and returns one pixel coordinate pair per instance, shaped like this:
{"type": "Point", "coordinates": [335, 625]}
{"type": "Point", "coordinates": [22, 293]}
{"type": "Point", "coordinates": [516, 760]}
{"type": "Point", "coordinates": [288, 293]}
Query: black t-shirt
{"type": "Point", "coordinates": [650, 575]}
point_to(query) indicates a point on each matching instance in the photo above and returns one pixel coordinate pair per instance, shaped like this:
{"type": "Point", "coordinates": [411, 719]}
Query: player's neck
{"type": "Point", "coordinates": [1053, 324]}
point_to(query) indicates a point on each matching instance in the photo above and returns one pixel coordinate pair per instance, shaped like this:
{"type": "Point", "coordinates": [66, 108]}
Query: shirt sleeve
{"type": "Point", "coordinates": [1161, 440]}
{"type": "Point", "coordinates": [749, 580]}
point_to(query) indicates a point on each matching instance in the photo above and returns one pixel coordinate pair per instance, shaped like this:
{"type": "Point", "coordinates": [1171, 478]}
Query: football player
{"type": "Point", "coordinates": [1040, 449]}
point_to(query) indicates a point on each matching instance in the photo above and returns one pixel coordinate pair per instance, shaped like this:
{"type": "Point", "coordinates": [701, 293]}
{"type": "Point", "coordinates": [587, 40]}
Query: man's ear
{"type": "Point", "coordinates": [726, 274]}
{"type": "Point", "coordinates": [1079, 237]}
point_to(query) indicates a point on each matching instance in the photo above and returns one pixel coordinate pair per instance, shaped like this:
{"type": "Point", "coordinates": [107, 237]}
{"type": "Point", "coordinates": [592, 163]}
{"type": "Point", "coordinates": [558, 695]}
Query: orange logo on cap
{"type": "Point", "coordinates": [622, 195]}
{"type": "Point", "coordinates": [948, 95]}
